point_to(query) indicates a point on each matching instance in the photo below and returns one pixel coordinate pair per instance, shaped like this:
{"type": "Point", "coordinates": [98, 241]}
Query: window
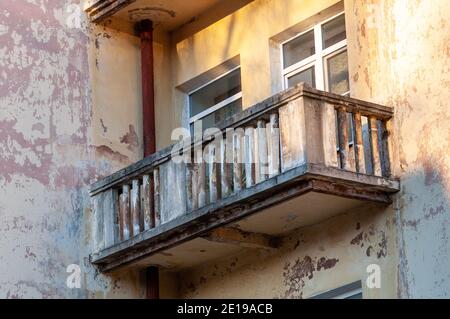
{"type": "Point", "coordinates": [216, 100]}
{"type": "Point", "coordinates": [350, 291]}
{"type": "Point", "coordinates": [318, 57]}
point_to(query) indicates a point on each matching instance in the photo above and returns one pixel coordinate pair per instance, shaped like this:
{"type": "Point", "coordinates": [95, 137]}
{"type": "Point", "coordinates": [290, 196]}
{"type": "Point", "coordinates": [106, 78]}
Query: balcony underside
{"type": "Point", "coordinates": [254, 218]}
{"type": "Point", "coordinates": [166, 15]}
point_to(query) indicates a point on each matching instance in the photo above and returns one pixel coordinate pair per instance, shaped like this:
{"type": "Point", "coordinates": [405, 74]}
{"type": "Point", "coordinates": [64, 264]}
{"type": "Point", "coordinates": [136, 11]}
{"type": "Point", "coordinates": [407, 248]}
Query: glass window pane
{"type": "Point", "coordinates": [333, 31]}
{"type": "Point", "coordinates": [221, 114]}
{"type": "Point", "coordinates": [307, 76]}
{"type": "Point", "coordinates": [298, 49]}
{"type": "Point", "coordinates": [337, 67]}
{"type": "Point", "coordinates": [215, 92]}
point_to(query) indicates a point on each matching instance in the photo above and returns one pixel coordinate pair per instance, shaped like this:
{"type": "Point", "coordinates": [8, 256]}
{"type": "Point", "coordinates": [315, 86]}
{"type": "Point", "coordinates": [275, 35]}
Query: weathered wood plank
{"type": "Point", "coordinates": [141, 206]}
{"type": "Point", "coordinates": [262, 151]}
{"type": "Point", "coordinates": [189, 190]}
{"type": "Point", "coordinates": [106, 211]}
{"type": "Point", "coordinates": [201, 183]}
{"type": "Point", "coordinates": [376, 161]}
{"type": "Point", "coordinates": [157, 197]}
{"type": "Point", "coordinates": [329, 138]}
{"type": "Point", "coordinates": [116, 215]}
{"type": "Point", "coordinates": [273, 145]}
{"type": "Point", "coordinates": [213, 172]}
{"type": "Point", "coordinates": [343, 138]}
{"type": "Point", "coordinates": [135, 208]}
{"type": "Point", "coordinates": [98, 223]}
{"type": "Point", "coordinates": [194, 183]}
{"type": "Point", "coordinates": [238, 159]}
{"type": "Point", "coordinates": [226, 171]}
{"type": "Point", "coordinates": [256, 156]}
{"type": "Point", "coordinates": [110, 217]}
{"type": "Point", "coordinates": [146, 196]}
{"type": "Point", "coordinates": [293, 135]}
{"type": "Point", "coordinates": [125, 213]}
{"type": "Point", "coordinates": [360, 162]}
{"type": "Point", "coordinates": [172, 190]}
{"type": "Point", "coordinates": [386, 149]}
{"type": "Point", "coordinates": [249, 156]}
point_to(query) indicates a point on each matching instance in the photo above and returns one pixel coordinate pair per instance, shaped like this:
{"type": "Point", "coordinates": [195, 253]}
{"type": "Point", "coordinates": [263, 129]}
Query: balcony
{"type": "Point", "coordinates": [293, 160]}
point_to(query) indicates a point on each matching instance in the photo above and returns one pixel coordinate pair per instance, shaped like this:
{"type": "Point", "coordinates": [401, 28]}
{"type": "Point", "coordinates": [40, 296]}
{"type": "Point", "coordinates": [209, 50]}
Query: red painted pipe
{"type": "Point", "coordinates": [152, 274]}
{"type": "Point", "coordinates": [145, 31]}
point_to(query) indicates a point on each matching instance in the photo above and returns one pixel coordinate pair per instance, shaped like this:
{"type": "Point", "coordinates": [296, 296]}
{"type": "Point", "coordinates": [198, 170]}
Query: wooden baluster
{"type": "Point", "coordinates": [157, 197]}
{"type": "Point", "coordinates": [256, 159]}
{"type": "Point", "coordinates": [116, 216]}
{"type": "Point", "coordinates": [201, 183]}
{"type": "Point", "coordinates": [351, 151]}
{"type": "Point", "coordinates": [358, 143]}
{"type": "Point", "coordinates": [330, 135]}
{"type": "Point", "coordinates": [141, 206]}
{"type": "Point", "coordinates": [213, 172]}
{"type": "Point", "coordinates": [273, 145]}
{"type": "Point", "coordinates": [249, 157]}
{"type": "Point", "coordinates": [147, 203]}
{"type": "Point", "coordinates": [125, 212]}
{"type": "Point", "coordinates": [374, 145]}
{"type": "Point", "coordinates": [189, 189]}
{"type": "Point", "coordinates": [238, 159]}
{"type": "Point", "coordinates": [194, 182]}
{"type": "Point", "coordinates": [121, 218]}
{"type": "Point", "coordinates": [343, 138]}
{"type": "Point", "coordinates": [226, 174]}
{"type": "Point", "coordinates": [135, 209]}
{"type": "Point", "coordinates": [385, 149]}
{"type": "Point", "coordinates": [262, 151]}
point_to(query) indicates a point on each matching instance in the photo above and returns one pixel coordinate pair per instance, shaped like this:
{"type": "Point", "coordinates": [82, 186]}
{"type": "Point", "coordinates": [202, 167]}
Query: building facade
{"type": "Point", "coordinates": [337, 182]}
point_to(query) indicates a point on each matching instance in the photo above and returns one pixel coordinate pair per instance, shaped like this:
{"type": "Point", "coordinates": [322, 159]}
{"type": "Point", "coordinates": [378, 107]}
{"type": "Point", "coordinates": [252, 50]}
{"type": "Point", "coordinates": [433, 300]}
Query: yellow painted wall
{"type": "Point", "coordinates": [398, 56]}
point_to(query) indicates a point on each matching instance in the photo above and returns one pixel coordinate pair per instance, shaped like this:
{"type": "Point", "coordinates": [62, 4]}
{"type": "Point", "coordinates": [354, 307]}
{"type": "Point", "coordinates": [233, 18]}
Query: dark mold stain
{"type": "Point", "coordinates": [357, 240]}
{"type": "Point", "coordinates": [302, 270]}
{"type": "Point", "coordinates": [324, 263]}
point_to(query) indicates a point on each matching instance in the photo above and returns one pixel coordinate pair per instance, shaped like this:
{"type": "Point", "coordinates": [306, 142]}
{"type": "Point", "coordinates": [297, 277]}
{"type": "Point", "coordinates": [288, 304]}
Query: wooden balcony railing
{"type": "Point", "coordinates": [322, 133]}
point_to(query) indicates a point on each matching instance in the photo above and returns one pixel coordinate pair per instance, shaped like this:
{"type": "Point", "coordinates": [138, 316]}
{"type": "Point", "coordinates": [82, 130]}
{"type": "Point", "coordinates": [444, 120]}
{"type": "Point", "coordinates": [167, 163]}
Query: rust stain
{"type": "Point", "coordinates": [131, 138]}
{"type": "Point", "coordinates": [106, 151]}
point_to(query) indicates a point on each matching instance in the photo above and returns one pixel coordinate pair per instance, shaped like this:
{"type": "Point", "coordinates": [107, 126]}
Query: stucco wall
{"type": "Point", "coordinates": [399, 53]}
{"type": "Point", "coordinates": [51, 150]}
{"type": "Point", "coordinates": [311, 260]}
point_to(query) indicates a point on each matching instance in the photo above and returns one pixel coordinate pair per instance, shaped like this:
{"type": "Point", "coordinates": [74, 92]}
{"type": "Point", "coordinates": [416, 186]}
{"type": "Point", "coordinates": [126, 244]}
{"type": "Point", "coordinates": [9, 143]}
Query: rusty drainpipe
{"type": "Point", "coordinates": [145, 32]}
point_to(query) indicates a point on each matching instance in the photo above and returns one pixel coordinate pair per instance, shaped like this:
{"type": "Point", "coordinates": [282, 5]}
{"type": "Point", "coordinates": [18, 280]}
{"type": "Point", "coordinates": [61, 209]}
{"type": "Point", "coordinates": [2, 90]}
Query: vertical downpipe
{"type": "Point", "coordinates": [145, 32]}
{"type": "Point", "coordinates": [152, 274]}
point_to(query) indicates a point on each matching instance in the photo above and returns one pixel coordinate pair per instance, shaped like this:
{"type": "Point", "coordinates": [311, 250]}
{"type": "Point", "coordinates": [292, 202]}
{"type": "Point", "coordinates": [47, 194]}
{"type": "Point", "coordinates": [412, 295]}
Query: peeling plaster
{"type": "Point", "coordinates": [46, 159]}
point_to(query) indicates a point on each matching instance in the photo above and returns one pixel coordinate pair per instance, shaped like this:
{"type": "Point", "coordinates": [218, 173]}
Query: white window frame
{"type": "Point", "coordinates": [342, 292]}
{"type": "Point", "coordinates": [317, 60]}
{"type": "Point", "coordinates": [217, 106]}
